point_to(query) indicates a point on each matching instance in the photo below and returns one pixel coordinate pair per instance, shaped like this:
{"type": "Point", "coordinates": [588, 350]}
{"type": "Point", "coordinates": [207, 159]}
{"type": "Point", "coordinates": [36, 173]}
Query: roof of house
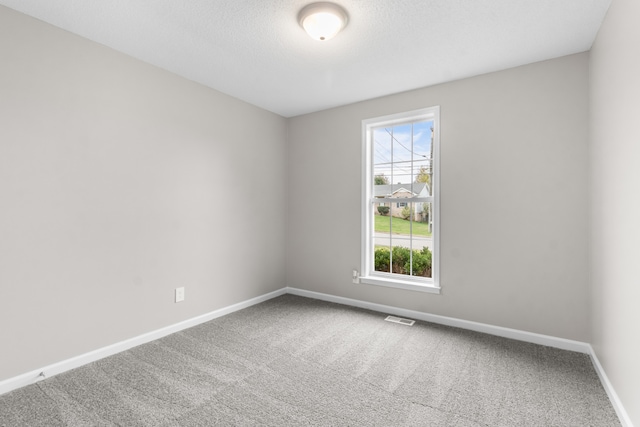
{"type": "Point", "coordinates": [389, 189]}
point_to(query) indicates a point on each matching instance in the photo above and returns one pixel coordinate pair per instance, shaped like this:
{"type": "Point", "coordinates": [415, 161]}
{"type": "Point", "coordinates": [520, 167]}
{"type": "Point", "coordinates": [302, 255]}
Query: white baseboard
{"type": "Point", "coordinates": [561, 343]}
{"type": "Point", "coordinates": [608, 387]}
{"type": "Point", "coordinates": [515, 334]}
{"type": "Point", "coordinates": [75, 362]}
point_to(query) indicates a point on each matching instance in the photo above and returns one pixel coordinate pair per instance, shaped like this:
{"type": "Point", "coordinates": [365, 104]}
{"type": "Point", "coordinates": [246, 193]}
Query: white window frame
{"type": "Point", "coordinates": [367, 273]}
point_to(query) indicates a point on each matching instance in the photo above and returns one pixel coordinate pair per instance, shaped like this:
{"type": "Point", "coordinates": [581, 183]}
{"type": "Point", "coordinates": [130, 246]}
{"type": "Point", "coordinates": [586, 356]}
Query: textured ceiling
{"type": "Point", "coordinates": [256, 51]}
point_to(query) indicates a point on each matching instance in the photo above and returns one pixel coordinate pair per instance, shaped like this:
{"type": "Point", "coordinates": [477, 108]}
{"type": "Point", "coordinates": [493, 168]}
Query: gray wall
{"type": "Point", "coordinates": [615, 202]}
{"type": "Point", "coordinates": [514, 204]}
{"type": "Point", "coordinates": [117, 184]}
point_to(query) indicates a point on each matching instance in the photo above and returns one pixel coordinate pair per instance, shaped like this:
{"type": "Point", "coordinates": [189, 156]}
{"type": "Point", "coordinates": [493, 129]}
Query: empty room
{"type": "Point", "coordinates": [382, 213]}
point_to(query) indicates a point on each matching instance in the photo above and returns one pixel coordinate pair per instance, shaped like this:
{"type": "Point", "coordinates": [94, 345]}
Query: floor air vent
{"type": "Point", "coordinates": [400, 320]}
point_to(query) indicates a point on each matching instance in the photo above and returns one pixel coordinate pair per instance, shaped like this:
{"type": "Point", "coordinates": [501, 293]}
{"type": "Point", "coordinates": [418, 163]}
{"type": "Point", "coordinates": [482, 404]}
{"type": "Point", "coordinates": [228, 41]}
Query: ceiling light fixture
{"type": "Point", "coordinates": [322, 20]}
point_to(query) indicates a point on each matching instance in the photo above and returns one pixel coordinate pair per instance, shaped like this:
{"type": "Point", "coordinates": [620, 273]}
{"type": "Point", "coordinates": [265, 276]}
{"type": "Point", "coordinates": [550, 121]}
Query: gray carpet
{"type": "Point", "coordinates": [295, 361]}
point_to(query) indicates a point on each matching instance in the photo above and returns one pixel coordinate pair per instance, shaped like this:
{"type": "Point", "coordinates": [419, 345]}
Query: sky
{"type": "Point", "coordinates": [401, 150]}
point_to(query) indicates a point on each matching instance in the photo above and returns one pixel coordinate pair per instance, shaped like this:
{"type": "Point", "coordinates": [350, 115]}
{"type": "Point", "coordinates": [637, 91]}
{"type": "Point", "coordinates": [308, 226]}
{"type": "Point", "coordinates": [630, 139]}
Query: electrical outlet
{"type": "Point", "coordinates": [179, 294]}
{"type": "Point", "coordinates": [355, 278]}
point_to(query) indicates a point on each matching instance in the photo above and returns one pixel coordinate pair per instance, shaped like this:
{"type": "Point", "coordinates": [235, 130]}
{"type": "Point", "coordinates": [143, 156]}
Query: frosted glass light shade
{"type": "Point", "coordinates": [322, 20]}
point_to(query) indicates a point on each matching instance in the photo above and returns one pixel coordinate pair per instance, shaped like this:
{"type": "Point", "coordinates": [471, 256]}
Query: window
{"type": "Point", "coordinates": [401, 160]}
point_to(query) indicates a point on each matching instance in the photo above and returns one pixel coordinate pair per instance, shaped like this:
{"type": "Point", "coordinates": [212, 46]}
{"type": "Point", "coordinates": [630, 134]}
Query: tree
{"type": "Point", "coordinates": [424, 175]}
{"type": "Point", "coordinates": [426, 211]}
{"type": "Point", "coordinates": [380, 180]}
{"type": "Point", "coordinates": [406, 212]}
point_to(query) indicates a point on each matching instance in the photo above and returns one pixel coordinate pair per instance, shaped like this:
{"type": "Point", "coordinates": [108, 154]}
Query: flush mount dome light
{"type": "Point", "coordinates": [322, 20]}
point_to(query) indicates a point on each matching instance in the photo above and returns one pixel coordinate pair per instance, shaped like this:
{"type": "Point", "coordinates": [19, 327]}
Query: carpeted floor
{"type": "Point", "coordinates": [295, 361]}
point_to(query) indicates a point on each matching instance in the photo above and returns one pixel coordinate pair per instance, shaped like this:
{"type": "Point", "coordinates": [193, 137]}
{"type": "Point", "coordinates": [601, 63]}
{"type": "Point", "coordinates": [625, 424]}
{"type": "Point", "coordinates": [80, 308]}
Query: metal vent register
{"type": "Point", "coordinates": [400, 320]}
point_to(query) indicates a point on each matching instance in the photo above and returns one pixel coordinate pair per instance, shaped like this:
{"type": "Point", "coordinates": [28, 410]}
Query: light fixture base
{"type": "Point", "coordinates": [322, 20]}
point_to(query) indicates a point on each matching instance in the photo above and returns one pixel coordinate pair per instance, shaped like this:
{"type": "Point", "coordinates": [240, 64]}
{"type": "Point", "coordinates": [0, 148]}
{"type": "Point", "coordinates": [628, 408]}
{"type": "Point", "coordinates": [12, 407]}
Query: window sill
{"type": "Point", "coordinates": [399, 284]}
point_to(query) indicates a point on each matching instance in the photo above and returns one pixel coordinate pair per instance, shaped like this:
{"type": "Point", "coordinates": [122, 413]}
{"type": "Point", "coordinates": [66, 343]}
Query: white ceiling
{"type": "Point", "coordinates": [256, 51]}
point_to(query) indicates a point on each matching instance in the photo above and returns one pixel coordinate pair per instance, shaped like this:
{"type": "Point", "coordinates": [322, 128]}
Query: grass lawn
{"type": "Point", "coordinates": [400, 226]}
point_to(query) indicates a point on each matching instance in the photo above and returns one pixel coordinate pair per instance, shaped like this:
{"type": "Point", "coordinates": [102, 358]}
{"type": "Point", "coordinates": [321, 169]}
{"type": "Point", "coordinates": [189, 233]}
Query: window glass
{"type": "Point", "coordinates": [399, 241]}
